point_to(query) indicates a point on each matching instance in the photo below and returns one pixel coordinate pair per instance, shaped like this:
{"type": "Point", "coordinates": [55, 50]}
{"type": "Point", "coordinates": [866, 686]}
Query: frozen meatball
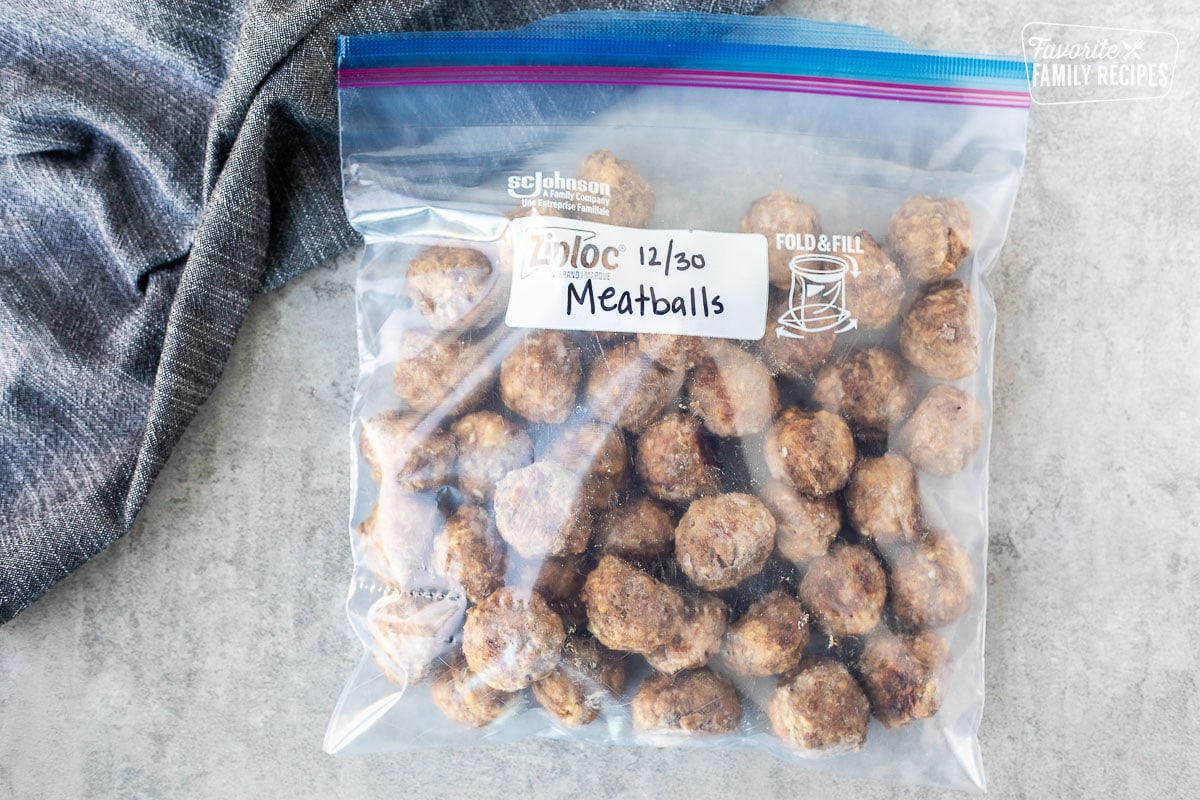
{"type": "Point", "coordinates": [882, 500]}
{"type": "Point", "coordinates": [871, 388]}
{"type": "Point", "coordinates": [811, 451]}
{"type": "Point", "coordinates": [640, 531]}
{"type": "Point", "coordinates": [512, 639]}
{"type": "Point", "coordinates": [874, 294]}
{"type": "Point", "coordinates": [944, 432]}
{"type": "Point", "coordinates": [435, 369]}
{"type": "Point", "coordinates": [699, 638]}
{"type": "Point", "coordinates": [401, 448]}
{"type": "Point", "coordinates": [822, 708]}
{"type": "Point", "coordinates": [845, 590]}
{"type": "Point", "coordinates": [769, 638]}
{"type": "Point", "coordinates": [588, 678]}
{"type": "Point", "coordinates": [929, 237]}
{"type": "Point", "coordinates": [631, 200]}
{"type": "Point", "coordinates": [489, 447]}
{"type": "Point", "coordinates": [598, 453]}
{"type": "Point", "coordinates": [628, 389]}
{"type": "Point", "coordinates": [555, 579]}
{"type": "Point", "coordinates": [469, 552]}
{"type": "Point", "coordinates": [540, 378]}
{"type": "Point", "coordinates": [804, 526]}
{"type": "Point", "coordinates": [540, 511]}
{"type": "Point", "coordinates": [397, 534]}
{"type": "Point", "coordinates": [675, 462]}
{"type": "Point", "coordinates": [939, 335]}
{"type": "Point", "coordinates": [697, 701]}
{"type": "Point", "coordinates": [724, 539]}
{"type": "Point", "coordinates": [901, 675]}
{"type": "Point", "coordinates": [411, 630]}
{"type": "Point", "coordinates": [628, 609]}
{"type": "Point", "coordinates": [733, 392]}
{"type": "Point", "coordinates": [932, 582]}
{"type": "Point", "coordinates": [465, 697]}
{"type": "Point", "coordinates": [788, 352]}
{"type": "Point", "coordinates": [454, 288]}
{"type": "Point", "coordinates": [775, 215]}
{"type": "Point", "coordinates": [672, 351]}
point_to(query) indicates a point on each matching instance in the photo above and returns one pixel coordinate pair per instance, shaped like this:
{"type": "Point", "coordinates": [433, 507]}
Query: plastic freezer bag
{"type": "Point", "coordinates": [672, 420]}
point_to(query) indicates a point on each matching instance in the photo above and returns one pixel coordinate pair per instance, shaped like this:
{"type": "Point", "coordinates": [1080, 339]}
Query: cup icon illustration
{"type": "Point", "coordinates": [817, 296]}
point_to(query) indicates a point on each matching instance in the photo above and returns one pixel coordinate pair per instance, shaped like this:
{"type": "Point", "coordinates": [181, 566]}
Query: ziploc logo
{"type": "Point", "coordinates": [565, 247]}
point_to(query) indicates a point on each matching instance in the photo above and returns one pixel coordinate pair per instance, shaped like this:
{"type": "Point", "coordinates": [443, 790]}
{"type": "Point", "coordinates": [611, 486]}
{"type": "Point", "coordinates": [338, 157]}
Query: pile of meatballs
{"type": "Point", "coordinates": [576, 513]}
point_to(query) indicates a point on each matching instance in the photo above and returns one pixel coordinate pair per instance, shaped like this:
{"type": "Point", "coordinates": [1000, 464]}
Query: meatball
{"type": "Point", "coordinates": [540, 378]}
{"type": "Point", "coordinates": [628, 389]}
{"type": "Point", "coordinates": [724, 539]}
{"type": "Point", "coordinates": [769, 638]}
{"type": "Point", "coordinates": [845, 590]}
{"type": "Point", "coordinates": [812, 451]}
{"type": "Point", "coordinates": [901, 675]}
{"type": "Point", "coordinates": [464, 697]}
{"type": "Point", "coordinates": [929, 237]}
{"type": "Point", "coordinates": [631, 200]}
{"type": "Point", "coordinates": [804, 527]}
{"type": "Point", "coordinates": [873, 292]}
{"type": "Point", "coordinates": [871, 388]}
{"type": "Point", "coordinates": [944, 432]}
{"type": "Point", "coordinates": [672, 351]}
{"type": "Point", "coordinates": [489, 447]}
{"type": "Point", "coordinates": [411, 630]}
{"type": "Point", "coordinates": [932, 582]}
{"type": "Point", "coordinates": [555, 579]}
{"type": "Point", "coordinates": [435, 370]}
{"type": "Point", "coordinates": [939, 334]}
{"type": "Point", "coordinates": [733, 392]}
{"type": "Point", "coordinates": [469, 552]}
{"type": "Point", "coordinates": [415, 456]}
{"type": "Point", "coordinates": [512, 639]}
{"type": "Point", "coordinates": [882, 500]}
{"type": "Point", "coordinates": [627, 609]}
{"type": "Point", "coordinates": [598, 453]}
{"type": "Point", "coordinates": [397, 535]}
{"type": "Point", "coordinates": [822, 708]}
{"type": "Point", "coordinates": [787, 353]}
{"type": "Point", "coordinates": [780, 213]}
{"type": "Point", "coordinates": [699, 638]}
{"type": "Point", "coordinates": [587, 678]}
{"type": "Point", "coordinates": [697, 701]}
{"type": "Point", "coordinates": [454, 288]}
{"type": "Point", "coordinates": [675, 462]}
{"type": "Point", "coordinates": [639, 531]}
{"type": "Point", "coordinates": [540, 511]}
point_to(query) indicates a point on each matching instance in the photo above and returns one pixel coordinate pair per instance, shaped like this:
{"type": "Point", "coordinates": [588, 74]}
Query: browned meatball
{"type": "Point", "coordinates": [628, 609]}
{"type": "Point", "coordinates": [882, 500]}
{"type": "Point", "coordinates": [631, 202]}
{"type": "Point", "coordinates": [871, 388]}
{"type": "Point", "coordinates": [414, 455]}
{"type": "Point", "coordinates": [672, 351]}
{"type": "Point", "coordinates": [555, 579]}
{"type": "Point", "coordinates": [433, 370]}
{"type": "Point", "coordinates": [640, 531]}
{"type": "Point", "coordinates": [939, 335]}
{"type": "Point", "coordinates": [822, 708]}
{"type": "Point", "coordinates": [464, 697]}
{"type": "Point", "coordinates": [697, 701]}
{"type": "Point", "coordinates": [599, 454]}
{"type": "Point", "coordinates": [454, 288]}
{"type": "Point", "coordinates": [397, 535]}
{"type": "Point", "coordinates": [699, 638]}
{"type": "Point", "coordinates": [944, 432]}
{"type": "Point", "coordinates": [845, 590]}
{"type": "Point", "coordinates": [469, 552]}
{"type": "Point", "coordinates": [588, 678]}
{"type": "Point", "coordinates": [788, 354]}
{"type": "Point", "coordinates": [628, 389]}
{"type": "Point", "coordinates": [733, 392]}
{"type": "Point", "coordinates": [540, 378]}
{"type": "Point", "coordinates": [780, 213]}
{"type": "Point", "coordinates": [675, 462]}
{"type": "Point", "coordinates": [932, 582]}
{"type": "Point", "coordinates": [512, 639]}
{"type": "Point", "coordinates": [489, 447]}
{"type": "Point", "coordinates": [411, 630]}
{"type": "Point", "coordinates": [873, 292]}
{"type": "Point", "coordinates": [812, 451]}
{"type": "Point", "coordinates": [769, 638]}
{"type": "Point", "coordinates": [724, 539]}
{"type": "Point", "coordinates": [804, 527]}
{"type": "Point", "coordinates": [540, 511]}
{"type": "Point", "coordinates": [929, 237]}
{"type": "Point", "coordinates": [901, 675]}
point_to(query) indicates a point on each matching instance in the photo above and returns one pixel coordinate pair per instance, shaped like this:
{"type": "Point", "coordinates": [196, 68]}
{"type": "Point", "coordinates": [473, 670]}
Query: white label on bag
{"type": "Point", "coordinates": [585, 276]}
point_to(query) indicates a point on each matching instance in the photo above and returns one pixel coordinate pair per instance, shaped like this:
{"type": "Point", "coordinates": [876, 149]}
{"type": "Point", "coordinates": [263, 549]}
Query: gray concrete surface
{"type": "Point", "coordinates": [201, 656]}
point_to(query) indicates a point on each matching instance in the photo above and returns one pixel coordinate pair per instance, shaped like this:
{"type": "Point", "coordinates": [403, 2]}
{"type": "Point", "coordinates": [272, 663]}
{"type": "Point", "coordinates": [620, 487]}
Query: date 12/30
{"type": "Point", "coordinates": [670, 259]}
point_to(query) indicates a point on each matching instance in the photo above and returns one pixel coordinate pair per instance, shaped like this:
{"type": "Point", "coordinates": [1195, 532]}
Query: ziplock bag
{"type": "Point", "coordinates": [672, 419]}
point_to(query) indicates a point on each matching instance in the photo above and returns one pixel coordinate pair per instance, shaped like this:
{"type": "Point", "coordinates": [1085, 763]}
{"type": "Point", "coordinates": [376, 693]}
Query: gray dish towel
{"type": "Point", "coordinates": [161, 163]}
